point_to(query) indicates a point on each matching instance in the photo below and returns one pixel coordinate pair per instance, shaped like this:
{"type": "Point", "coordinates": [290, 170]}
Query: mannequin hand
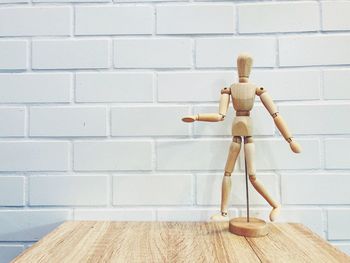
{"type": "Point", "coordinates": [295, 146]}
{"type": "Point", "coordinates": [190, 118]}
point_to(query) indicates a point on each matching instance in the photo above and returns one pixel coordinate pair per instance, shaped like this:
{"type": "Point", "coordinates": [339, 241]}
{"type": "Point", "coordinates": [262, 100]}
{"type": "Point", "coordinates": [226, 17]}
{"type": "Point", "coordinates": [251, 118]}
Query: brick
{"type": "Point", "coordinates": [336, 153]}
{"type": "Point", "coordinates": [11, 191]}
{"type": "Point", "coordinates": [289, 84]}
{"type": "Point", "coordinates": [70, 1]}
{"type": "Point", "coordinates": [189, 214]}
{"type": "Point", "coordinates": [192, 86]}
{"type": "Point", "coordinates": [13, 54]}
{"type": "Point", "coordinates": [314, 50]}
{"type": "Point", "coordinates": [12, 120]}
{"type": "Point", "coordinates": [152, 190]}
{"type": "Point", "coordinates": [334, 84]}
{"type": "Point", "coordinates": [209, 189]}
{"type": "Point", "coordinates": [34, 156]}
{"type": "Point", "coordinates": [13, 1]}
{"type": "Point", "coordinates": [70, 54]}
{"type": "Point", "coordinates": [222, 52]}
{"type": "Point", "coordinates": [196, 19]}
{"type": "Point", "coordinates": [311, 217]}
{"type": "Point", "coordinates": [278, 17]}
{"type": "Point", "coordinates": [9, 252]}
{"type": "Point", "coordinates": [153, 53]}
{"type": "Point", "coordinates": [30, 224]}
{"type": "Point", "coordinates": [35, 87]}
{"type": "Point", "coordinates": [149, 121]}
{"type": "Point", "coordinates": [114, 214]}
{"type": "Point", "coordinates": [338, 218]}
{"type": "Point", "coordinates": [206, 86]}
{"type": "Point", "coordinates": [315, 188]}
{"type": "Point", "coordinates": [114, 87]}
{"type": "Point", "coordinates": [335, 15]}
{"type": "Point", "coordinates": [320, 119]}
{"type": "Point", "coordinates": [262, 122]}
{"type": "Point", "coordinates": [271, 154]}
{"type": "Point", "coordinates": [192, 154]}
{"type": "Point", "coordinates": [68, 121]}
{"type": "Point", "coordinates": [144, 1]}
{"type": "Point", "coordinates": [112, 155]}
{"type": "Point", "coordinates": [112, 20]}
{"type": "Point", "coordinates": [35, 21]}
{"type": "Point", "coordinates": [68, 190]}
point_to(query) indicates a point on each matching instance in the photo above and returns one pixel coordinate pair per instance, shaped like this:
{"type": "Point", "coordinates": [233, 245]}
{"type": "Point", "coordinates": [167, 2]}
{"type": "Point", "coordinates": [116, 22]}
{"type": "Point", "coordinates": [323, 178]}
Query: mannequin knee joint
{"type": "Point", "coordinates": [237, 139]}
{"type": "Point", "coordinates": [227, 174]}
{"type": "Point", "coordinates": [248, 139]}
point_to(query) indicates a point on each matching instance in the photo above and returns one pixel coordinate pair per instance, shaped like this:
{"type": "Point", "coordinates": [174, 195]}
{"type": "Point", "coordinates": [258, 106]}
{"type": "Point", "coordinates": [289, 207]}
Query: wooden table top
{"type": "Point", "coordinates": [102, 241]}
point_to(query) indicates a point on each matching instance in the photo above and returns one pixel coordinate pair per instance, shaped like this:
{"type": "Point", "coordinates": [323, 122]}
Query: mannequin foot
{"type": "Point", "coordinates": [274, 213]}
{"type": "Point", "coordinates": [220, 217]}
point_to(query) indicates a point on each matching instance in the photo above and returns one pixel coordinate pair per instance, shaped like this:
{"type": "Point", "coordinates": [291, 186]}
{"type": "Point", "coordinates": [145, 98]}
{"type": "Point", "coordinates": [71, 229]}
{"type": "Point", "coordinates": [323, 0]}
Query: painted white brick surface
{"type": "Point", "coordinates": [34, 156]}
{"type": "Point", "coordinates": [315, 188]}
{"type": "Point", "coordinates": [9, 252]}
{"type": "Point", "coordinates": [276, 154]}
{"type": "Point", "coordinates": [12, 120]}
{"type": "Point", "coordinates": [68, 121]}
{"type": "Point", "coordinates": [109, 20]}
{"type": "Point", "coordinates": [93, 91]}
{"type": "Point", "coordinates": [35, 88]}
{"type": "Point", "coordinates": [13, 1]}
{"type": "Point", "coordinates": [337, 218]}
{"type": "Point", "coordinates": [196, 19]}
{"type": "Point", "coordinates": [314, 50]}
{"type": "Point", "coordinates": [11, 190]}
{"type": "Point", "coordinates": [336, 153]}
{"type": "Point", "coordinates": [115, 214]}
{"type": "Point", "coordinates": [30, 224]}
{"type": "Point", "coordinates": [70, 54]}
{"type": "Point", "coordinates": [152, 190]}
{"type": "Point", "coordinates": [192, 154]}
{"type": "Point", "coordinates": [335, 15]}
{"type": "Point", "coordinates": [320, 119]}
{"type": "Point", "coordinates": [13, 54]}
{"type": "Point", "coordinates": [35, 21]}
{"type": "Point", "coordinates": [68, 190]}
{"type": "Point", "coordinates": [209, 189]}
{"type": "Point", "coordinates": [278, 17]}
{"type": "Point", "coordinates": [289, 85]}
{"type": "Point", "coordinates": [149, 121]}
{"type": "Point", "coordinates": [153, 53]}
{"type": "Point", "coordinates": [221, 52]}
{"type": "Point", "coordinates": [192, 86]}
{"type": "Point", "coordinates": [336, 85]}
{"type": "Point", "coordinates": [114, 87]}
{"type": "Point", "coordinates": [112, 155]}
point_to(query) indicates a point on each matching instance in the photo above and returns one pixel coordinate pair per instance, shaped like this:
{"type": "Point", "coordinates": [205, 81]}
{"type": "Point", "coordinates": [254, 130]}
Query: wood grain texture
{"type": "Point", "coordinates": [91, 241]}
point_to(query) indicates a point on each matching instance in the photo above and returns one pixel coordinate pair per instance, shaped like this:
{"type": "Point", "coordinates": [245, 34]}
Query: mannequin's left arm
{"type": "Point", "coordinates": [277, 118]}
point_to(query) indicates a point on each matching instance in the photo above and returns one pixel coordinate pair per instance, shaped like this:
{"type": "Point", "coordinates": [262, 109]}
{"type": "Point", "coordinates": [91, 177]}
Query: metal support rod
{"type": "Point", "coordinates": [246, 186]}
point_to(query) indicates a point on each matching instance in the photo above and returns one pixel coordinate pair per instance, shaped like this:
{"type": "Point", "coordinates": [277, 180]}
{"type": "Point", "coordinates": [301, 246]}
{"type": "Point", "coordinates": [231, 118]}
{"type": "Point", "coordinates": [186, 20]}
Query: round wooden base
{"type": "Point", "coordinates": [254, 228]}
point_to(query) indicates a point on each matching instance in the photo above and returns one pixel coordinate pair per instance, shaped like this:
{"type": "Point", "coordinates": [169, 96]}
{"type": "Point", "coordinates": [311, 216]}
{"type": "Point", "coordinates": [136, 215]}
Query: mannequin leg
{"type": "Point", "coordinates": [226, 181]}
{"type": "Point", "coordinates": [249, 151]}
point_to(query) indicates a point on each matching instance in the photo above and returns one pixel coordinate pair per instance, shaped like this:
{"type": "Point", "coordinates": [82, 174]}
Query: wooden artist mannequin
{"type": "Point", "coordinates": [243, 96]}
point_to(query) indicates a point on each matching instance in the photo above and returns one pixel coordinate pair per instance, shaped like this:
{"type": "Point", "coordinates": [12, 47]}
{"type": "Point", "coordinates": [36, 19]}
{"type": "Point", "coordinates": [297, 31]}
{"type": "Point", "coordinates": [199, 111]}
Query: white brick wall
{"type": "Point", "coordinates": [92, 93]}
{"type": "Point", "coordinates": [287, 17]}
{"type": "Point", "coordinates": [35, 21]}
